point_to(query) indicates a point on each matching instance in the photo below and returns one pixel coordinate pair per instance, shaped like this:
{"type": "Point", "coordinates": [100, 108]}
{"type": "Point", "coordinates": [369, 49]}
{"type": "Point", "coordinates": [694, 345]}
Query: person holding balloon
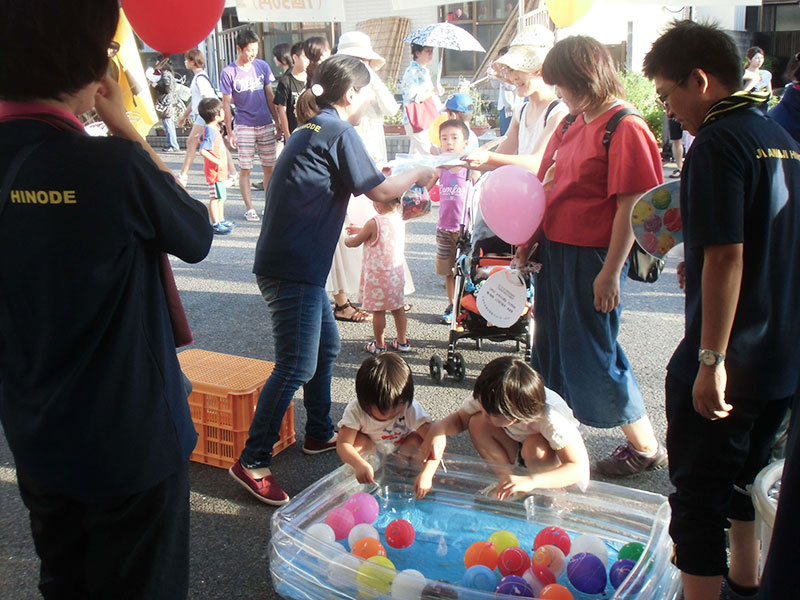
{"type": "Point", "coordinates": [323, 163]}
{"type": "Point", "coordinates": [587, 237]}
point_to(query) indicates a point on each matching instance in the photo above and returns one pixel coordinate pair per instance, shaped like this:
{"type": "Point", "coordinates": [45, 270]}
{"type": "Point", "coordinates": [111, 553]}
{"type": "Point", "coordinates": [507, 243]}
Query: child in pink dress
{"type": "Point", "coordinates": [382, 277]}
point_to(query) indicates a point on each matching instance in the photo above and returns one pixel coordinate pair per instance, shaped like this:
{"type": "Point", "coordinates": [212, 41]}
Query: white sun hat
{"type": "Point", "coordinates": [355, 43]}
{"type": "Point", "coordinates": [528, 49]}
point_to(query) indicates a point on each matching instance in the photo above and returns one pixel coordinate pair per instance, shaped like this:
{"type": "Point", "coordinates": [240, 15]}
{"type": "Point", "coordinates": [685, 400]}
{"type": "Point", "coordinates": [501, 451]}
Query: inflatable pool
{"type": "Point", "coordinates": [306, 562]}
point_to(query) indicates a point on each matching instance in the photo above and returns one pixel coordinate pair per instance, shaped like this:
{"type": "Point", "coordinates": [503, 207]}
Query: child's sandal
{"type": "Point", "coordinates": [373, 349]}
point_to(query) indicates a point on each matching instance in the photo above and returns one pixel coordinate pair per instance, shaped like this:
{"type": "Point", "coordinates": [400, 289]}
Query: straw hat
{"type": "Point", "coordinates": [528, 50]}
{"type": "Point", "coordinates": [355, 43]}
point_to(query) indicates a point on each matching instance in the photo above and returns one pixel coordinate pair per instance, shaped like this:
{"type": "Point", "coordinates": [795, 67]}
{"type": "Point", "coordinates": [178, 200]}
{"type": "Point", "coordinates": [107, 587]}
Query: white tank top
{"type": "Point", "coordinates": [528, 136]}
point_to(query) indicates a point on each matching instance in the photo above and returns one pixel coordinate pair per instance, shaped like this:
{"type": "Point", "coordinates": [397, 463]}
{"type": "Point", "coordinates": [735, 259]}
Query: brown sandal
{"type": "Point", "coordinates": [358, 316]}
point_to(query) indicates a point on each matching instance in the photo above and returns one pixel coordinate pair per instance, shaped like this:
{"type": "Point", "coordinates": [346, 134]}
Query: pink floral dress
{"type": "Point", "coordinates": [382, 276]}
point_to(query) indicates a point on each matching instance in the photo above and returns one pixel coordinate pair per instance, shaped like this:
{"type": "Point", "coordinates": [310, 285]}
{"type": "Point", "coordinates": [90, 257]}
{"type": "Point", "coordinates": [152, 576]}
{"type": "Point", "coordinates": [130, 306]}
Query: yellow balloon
{"type": "Point", "coordinates": [568, 12]}
{"type": "Point", "coordinates": [433, 131]}
{"type": "Point", "coordinates": [375, 577]}
{"type": "Point", "coordinates": [503, 539]}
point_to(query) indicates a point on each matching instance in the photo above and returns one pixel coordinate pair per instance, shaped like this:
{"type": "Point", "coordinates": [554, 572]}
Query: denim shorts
{"type": "Point", "coordinates": [576, 348]}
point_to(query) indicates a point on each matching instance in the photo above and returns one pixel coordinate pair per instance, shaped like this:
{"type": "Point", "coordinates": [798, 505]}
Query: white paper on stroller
{"type": "Point", "coordinates": [502, 298]}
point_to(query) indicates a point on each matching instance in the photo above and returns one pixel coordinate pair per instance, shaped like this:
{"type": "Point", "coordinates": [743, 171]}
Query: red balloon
{"type": "Point", "coordinates": [175, 26]}
{"type": "Point", "coordinates": [399, 533]}
{"type": "Point", "coordinates": [434, 193]}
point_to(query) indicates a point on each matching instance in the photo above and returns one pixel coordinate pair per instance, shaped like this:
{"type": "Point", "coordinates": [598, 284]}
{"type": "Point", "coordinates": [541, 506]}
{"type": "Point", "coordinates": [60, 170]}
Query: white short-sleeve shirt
{"type": "Point", "coordinates": [555, 423]}
{"type": "Point", "coordinates": [386, 435]}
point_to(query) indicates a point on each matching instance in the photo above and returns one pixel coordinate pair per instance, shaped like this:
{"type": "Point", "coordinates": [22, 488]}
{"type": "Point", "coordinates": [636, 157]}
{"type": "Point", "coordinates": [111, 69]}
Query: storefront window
{"type": "Point", "coordinates": [483, 19]}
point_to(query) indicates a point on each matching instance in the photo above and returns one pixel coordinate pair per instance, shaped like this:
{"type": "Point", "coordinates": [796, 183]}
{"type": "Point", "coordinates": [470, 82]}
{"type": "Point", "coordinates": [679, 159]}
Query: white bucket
{"type": "Point", "coordinates": [766, 506]}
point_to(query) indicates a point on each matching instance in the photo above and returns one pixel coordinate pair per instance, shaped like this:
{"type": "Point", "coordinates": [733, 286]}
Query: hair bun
{"type": "Point", "coordinates": [317, 90]}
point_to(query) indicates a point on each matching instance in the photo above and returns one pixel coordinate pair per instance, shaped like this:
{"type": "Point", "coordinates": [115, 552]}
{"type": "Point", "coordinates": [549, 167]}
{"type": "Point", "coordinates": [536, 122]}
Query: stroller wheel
{"type": "Point", "coordinates": [459, 367]}
{"type": "Point", "coordinates": [435, 366]}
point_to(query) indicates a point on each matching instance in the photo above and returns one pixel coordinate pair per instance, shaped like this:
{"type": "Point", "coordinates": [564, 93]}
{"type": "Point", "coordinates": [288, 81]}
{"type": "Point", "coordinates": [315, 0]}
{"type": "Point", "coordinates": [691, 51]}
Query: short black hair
{"type": "Point", "coordinates": [281, 54]}
{"type": "Point", "coordinates": [297, 48]}
{"type": "Point", "coordinates": [53, 48]}
{"type": "Point", "coordinates": [511, 388]}
{"type": "Point", "coordinates": [384, 382]}
{"type": "Point", "coordinates": [416, 49]}
{"type": "Point", "coordinates": [209, 108]}
{"type": "Point", "coordinates": [245, 37]}
{"type": "Point", "coordinates": [455, 124]}
{"type": "Point", "coordinates": [686, 46]}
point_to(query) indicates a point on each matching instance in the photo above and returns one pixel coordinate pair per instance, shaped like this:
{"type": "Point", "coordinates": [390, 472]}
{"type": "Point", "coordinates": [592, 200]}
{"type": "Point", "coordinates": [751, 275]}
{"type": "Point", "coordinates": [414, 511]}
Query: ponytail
{"type": "Point", "coordinates": [330, 84]}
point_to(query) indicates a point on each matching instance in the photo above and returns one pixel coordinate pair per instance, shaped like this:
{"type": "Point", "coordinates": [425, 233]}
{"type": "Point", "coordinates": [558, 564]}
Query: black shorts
{"type": "Point", "coordinates": [675, 130]}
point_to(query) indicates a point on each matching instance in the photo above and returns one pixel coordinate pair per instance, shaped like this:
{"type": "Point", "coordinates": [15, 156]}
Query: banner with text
{"type": "Point", "coordinates": [290, 11]}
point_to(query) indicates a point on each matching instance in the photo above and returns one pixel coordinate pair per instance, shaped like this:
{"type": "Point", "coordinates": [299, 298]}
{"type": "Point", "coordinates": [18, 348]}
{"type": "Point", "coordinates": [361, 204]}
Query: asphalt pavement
{"type": "Point", "coordinates": [229, 528]}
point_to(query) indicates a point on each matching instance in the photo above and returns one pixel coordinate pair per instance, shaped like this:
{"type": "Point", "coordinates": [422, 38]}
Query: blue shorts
{"type": "Point", "coordinates": [576, 348]}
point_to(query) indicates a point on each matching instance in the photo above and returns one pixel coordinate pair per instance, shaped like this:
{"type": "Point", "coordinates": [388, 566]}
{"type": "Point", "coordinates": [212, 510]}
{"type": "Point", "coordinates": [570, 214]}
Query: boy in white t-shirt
{"type": "Point", "coordinates": [512, 417]}
{"type": "Point", "coordinates": [384, 416]}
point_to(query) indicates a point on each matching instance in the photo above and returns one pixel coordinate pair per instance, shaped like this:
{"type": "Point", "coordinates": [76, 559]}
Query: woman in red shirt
{"type": "Point", "coordinates": [587, 238]}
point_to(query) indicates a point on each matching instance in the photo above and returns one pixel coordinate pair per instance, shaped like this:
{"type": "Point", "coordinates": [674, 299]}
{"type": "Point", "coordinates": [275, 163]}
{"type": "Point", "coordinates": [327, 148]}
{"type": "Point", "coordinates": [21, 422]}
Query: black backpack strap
{"type": "Point", "coordinates": [614, 121]}
{"type": "Point", "coordinates": [568, 120]}
{"type": "Point", "coordinates": [13, 169]}
{"type": "Point", "coordinates": [550, 108]}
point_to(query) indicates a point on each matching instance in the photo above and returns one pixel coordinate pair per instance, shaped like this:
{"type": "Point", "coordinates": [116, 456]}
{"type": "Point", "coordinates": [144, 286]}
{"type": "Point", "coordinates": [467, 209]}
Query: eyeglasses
{"type": "Point", "coordinates": [113, 48]}
{"type": "Point", "coordinates": [663, 99]}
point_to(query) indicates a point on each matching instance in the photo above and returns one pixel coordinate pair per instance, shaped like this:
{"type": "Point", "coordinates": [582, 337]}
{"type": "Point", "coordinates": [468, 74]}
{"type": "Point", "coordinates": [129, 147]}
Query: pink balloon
{"type": "Point", "coordinates": [512, 203]}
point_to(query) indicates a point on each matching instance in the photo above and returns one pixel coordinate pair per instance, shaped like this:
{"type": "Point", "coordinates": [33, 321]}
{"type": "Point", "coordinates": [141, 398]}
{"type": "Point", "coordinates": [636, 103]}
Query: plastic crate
{"type": "Point", "coordinates": [224, 396]}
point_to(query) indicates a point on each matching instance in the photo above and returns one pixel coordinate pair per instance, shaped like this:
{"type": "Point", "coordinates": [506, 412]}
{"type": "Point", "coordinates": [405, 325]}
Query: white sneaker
{"type": "Point", "coordinates": [183, 180]}
{"type": "Point", "coordinates": [233, 181]}
{"type": "Point", "coordinates": [251, 215]}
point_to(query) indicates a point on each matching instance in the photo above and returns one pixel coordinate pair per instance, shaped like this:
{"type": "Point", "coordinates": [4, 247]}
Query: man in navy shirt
{"type": "Point", "coordinates": [730, 380]}
{"type": "Point", "coordinates": [92, 399]}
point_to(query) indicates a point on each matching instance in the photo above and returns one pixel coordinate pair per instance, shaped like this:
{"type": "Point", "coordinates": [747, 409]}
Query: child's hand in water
{"type": "Point", "coordinates": [513, 484]}
{"type": "Point", "coordinates": [423, 485]}
{"type": "Point", "coordinates": [364, 473]}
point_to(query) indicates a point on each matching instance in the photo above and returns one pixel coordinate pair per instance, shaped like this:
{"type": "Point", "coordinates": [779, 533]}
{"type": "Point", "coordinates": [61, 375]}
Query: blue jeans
{"type": "Point", "coordinates": [169, 129]}
{"type": "Point", "coordinates": [576, 348]}
{"type": "Point", "coordinates": [306, 346]}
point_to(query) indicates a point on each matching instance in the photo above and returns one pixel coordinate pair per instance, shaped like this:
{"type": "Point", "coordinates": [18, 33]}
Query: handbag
{"type": "Point", "coordinates": [422, 114]}
{"type": "Point", "coordinates": [416, 203]}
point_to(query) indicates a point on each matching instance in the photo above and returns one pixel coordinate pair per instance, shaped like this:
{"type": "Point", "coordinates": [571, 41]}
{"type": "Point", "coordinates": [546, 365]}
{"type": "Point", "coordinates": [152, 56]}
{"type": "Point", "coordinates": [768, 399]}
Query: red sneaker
{"type": "Point", "coordinates": [267, 489]}
{"type": "Point", "coordinates": [314, 447]}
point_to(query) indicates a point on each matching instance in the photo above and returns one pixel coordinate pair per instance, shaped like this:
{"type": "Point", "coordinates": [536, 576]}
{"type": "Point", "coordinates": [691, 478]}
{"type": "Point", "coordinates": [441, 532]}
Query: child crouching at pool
{"type": "Point", "coordinates": [383, 416]}
{"type": "Point", "coordinates": [512, 417]}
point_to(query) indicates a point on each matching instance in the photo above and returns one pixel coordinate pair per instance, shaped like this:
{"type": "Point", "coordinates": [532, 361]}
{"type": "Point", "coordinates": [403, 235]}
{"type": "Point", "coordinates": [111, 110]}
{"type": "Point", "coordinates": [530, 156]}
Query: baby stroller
{"type": "Point", "coordinates": [479, 254]}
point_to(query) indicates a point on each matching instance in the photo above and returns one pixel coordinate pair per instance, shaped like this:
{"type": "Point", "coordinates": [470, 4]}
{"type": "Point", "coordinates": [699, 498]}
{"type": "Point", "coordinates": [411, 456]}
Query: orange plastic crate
{"type": "Point", "coordinates": [224, 396]}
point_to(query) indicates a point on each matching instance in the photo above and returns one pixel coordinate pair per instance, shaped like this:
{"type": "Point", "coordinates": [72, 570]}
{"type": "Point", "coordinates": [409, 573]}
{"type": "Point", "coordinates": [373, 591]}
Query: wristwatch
{"type": "Point", "coordinates": [710, 358]}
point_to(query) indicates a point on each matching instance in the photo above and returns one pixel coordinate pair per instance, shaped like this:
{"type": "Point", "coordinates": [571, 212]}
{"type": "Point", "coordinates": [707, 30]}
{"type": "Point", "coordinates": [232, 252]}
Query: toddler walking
{"type": "Point", "coordinates": [383, 416]}
{"type": "Point", "coordinates": [382, 276]}
{"type": "Point", "coordinates": [215, 163]}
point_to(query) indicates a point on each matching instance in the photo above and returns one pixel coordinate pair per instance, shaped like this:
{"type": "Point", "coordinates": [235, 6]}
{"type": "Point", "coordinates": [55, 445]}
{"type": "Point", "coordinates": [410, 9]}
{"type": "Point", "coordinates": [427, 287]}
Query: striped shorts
{"type": "Point", "coordinates": [217, 191]}
{"type": "Point", "coordinates": [446, 247]}
{"type": "Point", "coordinates": [249, 138]}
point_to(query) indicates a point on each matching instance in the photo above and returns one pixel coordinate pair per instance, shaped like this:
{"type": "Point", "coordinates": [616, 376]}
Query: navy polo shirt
{"type": "Point", "coordinates": [323, 163]}
{"type": "Point", "coordinates": [741, 185]}
{"type": "Point", "coordinates": [92, 399]}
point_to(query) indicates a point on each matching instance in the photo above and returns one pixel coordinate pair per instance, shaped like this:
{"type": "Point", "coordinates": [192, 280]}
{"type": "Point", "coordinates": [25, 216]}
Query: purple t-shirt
{"type": "Point", "coordinates": [247, 90]}
{"type": "Point", "coordinates": [452, 196]}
